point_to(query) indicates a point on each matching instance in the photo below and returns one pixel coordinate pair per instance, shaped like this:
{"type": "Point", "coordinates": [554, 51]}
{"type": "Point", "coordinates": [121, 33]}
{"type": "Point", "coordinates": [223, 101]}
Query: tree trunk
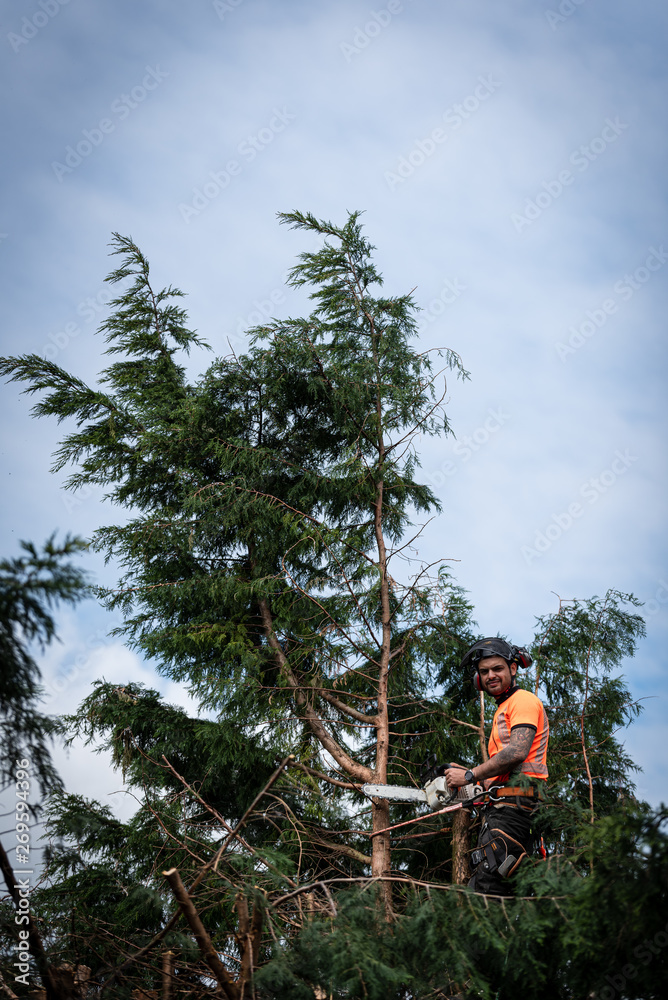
{"type": "Point", "coordinates": [167, 973]}
{"type": "Point", "coordinates": [461, 845]}
{"type": "Point", "coordinates": [249, 934]}
{"type": "Point", "coordinates": [380, 849]}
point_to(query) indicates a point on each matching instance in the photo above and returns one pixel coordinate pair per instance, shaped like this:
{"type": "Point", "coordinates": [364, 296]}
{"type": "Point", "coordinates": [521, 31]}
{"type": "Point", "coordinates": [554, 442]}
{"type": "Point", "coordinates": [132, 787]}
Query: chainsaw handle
{"type": "Point", "coordinates": [431, 769]}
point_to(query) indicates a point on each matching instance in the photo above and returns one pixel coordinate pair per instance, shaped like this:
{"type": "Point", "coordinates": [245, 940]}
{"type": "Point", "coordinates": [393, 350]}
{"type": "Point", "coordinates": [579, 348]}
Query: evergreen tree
{"type": "Point", "coordinates": [265, 563]}
{"type": "Point", "coordinates": [269, 502]}
{"type": "Point", "coordinates": [31, 586]}
{"type": "Point", "coordinates": [578, 651]}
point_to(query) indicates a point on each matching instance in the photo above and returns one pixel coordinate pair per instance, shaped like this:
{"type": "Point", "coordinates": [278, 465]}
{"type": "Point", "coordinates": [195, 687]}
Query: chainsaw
{"type": "Point", "coordinates": [441, 799]}
{"type": "Point", "coordinates": [435, 793]}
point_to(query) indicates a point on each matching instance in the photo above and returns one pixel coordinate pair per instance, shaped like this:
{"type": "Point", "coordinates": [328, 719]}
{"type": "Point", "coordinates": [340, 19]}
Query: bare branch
{"type": "Point", "coordinates": [308, 714]}
{"type": "Point", "coordinates": [228, 987]}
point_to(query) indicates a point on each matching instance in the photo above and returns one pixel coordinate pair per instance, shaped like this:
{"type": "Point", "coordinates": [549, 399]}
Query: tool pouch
{"type": "Point", "coordinates": [498, 851]}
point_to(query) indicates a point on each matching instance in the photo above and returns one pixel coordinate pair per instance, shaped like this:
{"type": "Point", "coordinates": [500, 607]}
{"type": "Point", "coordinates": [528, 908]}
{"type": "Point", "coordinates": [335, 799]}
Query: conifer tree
{"type": "Point", "coordinates": [31, 587]}
{"type": "Point", "coordinates": [268, 503]}
{"type": "Point", "coordinates": [578, 651]}
{"type": "Point", "coordinates": [265, 562]}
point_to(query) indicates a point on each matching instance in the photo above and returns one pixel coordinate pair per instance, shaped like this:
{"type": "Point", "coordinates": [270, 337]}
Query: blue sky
{"type": "Point", "coordinates": [510, 159]}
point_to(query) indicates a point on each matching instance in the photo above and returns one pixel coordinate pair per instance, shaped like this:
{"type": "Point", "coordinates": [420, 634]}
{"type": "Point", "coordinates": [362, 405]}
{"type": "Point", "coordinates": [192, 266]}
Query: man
{"type": "Point", "coordinates": [516, 766]}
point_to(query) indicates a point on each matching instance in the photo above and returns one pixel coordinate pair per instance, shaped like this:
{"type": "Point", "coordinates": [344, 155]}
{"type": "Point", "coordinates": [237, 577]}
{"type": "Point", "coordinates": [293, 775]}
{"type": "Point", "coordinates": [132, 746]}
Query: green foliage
{"type": "Point", "coordinates": [103, 891]}
{"type": "Point", "coordinates": [576, 651]}
{"type": "Point", "coordinates": [30, 587]}
{"type": "Point", "coordinates": [143, 734]}
{"type": "Point", "coordinates": [269, 495]}
{"type": "Point", "coordinates": [563, 938]}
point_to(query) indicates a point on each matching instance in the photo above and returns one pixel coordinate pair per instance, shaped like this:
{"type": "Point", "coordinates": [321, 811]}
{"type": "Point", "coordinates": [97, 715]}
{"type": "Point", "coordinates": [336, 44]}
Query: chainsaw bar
{"type": "Point", "coordinates": [435, 793]}
{"type": "Point", "coordinates": [396, 793]}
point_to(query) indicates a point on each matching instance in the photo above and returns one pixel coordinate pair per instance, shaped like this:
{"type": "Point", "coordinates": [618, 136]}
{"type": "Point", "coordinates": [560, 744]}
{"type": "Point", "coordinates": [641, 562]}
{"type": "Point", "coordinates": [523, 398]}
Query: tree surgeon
{"type": "Point", "coordinates": [516, 771]}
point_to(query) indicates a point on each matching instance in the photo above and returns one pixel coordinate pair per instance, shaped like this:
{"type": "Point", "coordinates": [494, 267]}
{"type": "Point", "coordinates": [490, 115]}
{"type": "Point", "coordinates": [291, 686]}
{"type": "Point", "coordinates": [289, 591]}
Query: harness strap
{"type": "Point", "coordinates": [505, 792]}
{"type": "Point", "coordinates": [523, 797]}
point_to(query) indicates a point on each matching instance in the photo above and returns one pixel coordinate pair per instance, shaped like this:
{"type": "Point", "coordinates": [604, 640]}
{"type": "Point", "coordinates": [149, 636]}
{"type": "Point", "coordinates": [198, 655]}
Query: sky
{"type": "Point", "coordinates": [510, 161]}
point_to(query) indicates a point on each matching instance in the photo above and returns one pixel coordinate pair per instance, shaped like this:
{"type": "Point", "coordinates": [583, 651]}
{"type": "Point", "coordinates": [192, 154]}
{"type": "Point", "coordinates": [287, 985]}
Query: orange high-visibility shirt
{"type": "Point", "coordinates": [522, 708]}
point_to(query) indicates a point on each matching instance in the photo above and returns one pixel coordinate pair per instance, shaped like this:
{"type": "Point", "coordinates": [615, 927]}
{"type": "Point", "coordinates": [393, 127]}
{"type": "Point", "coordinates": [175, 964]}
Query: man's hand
{"type": "Point", "coordinates": [454, 776]}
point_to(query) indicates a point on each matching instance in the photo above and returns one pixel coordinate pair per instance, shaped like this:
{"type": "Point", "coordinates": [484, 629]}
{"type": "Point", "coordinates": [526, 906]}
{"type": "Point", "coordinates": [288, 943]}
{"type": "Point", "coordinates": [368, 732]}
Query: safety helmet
{"type": "Point", "coordinates": [493, 647]}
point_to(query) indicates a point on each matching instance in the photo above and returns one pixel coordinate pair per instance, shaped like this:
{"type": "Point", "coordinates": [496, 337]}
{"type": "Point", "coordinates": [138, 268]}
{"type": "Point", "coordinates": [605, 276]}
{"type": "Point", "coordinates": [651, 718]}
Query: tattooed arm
{"type": "Point", "coordinates": [516, 752]}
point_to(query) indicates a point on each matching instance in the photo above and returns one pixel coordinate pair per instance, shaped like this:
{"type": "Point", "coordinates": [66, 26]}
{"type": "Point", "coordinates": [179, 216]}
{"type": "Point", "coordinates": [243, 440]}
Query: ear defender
{"type": "Point", "coordinates": [521, 657]}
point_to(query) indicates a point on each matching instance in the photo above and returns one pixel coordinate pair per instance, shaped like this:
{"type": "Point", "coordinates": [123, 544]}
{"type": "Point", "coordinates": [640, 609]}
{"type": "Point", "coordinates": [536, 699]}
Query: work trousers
{"type": "Point", "coordinates": [515, 822]}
